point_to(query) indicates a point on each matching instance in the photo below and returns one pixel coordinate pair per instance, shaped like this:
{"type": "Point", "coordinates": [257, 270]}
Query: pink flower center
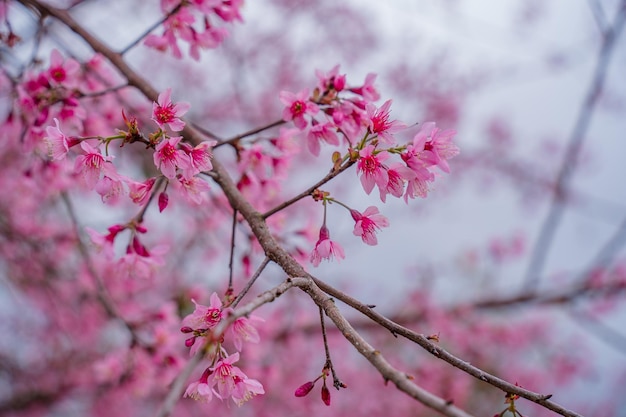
{"type": "Point", "coordinates": [428, 146]}
{"type": "Point", "coordinates": [297, 108]}
{"type": "Point", "coordinates": [213, 316]}
{"type": "Point", "coordinates": [164, 114]}
{"type": "Point", "coordinates": [58, 74]}
{"type": "Point", "coordinates": [168, 152]}
{"type": "Point", "coordinates": [93, 160]}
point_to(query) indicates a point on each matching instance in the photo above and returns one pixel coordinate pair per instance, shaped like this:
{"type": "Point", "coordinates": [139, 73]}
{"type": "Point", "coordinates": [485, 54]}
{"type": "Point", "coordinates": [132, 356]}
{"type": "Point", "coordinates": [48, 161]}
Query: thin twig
{"type": "Point", "coordinates": [250, 133]}
{"type": "Point", "coordinates": [250, 283]}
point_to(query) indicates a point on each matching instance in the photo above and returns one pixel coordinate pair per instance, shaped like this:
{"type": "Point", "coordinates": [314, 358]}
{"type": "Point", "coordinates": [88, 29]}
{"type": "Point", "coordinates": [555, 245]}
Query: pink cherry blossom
{"type": "Point", "coordinates": [242, 330]}
{"type": "Point", "coordinates": [434, 147]}
{"type": "Point", "coordinates": [297, 106]}
{"type": "Point", "coordinates": [397, 175]}
{"type": "Point", "coordinates": [380, 124]}
{"type": "Point", "coordinates": [232, 382]}
{"type": "Point", "coordinates": [326, 248]}
{"type": "Point", "coordinates": [368, 223]}
{"type": "Point", "coordinates": [199, 158]}
{"type": "Point", "coordinates": [200, 390]}
{"type": "Point", "coordinates": [139, 192]}
{"type": "Point", "coordinates": [371, 168]}
{"type": "Point", "coordinates": [90, 165]}
{"type": "Point", "coordinates": [193, 190]}
{"type": "Point", "coordinates": [164, 112]}
{"type": "Point", "coordinates": [58, 143]}
{"type": "Point", "coordinates": [60, 72]}
{"type": "Point", "coordinates": [205, 317]}
{"type": "Point", "coordinates": [167, 157]}
{"type": "Point", "coordinates": [319, 132]}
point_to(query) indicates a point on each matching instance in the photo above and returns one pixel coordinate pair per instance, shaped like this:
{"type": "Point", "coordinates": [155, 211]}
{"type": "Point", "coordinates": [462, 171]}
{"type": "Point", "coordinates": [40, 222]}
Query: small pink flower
{"type": "Point", "coordinates": [165, 112]}
{"type": "Point", "coordinates": [371, 168]}
{"type": "Point", "coordinates": [205, 317]}
{"type": "Point", "coordinates": [319, 132]}
{"type": "Point", "coordinates": [139, 192]}
{"type": "Point", "coordinates": [298, 105]}
{"type": "Point", "coordinates": [200, 390]}
{"type": "Point", "coordinates": [167, 157]}
{"type": "Point", "coordinates": [326, 248]}
{"type": "Point", "coordinates": [61, 72]}
{"type": "Point", "coordinates": [232, 382]}
{"type": "Point", "coordinates": [397, 174]}
{"type": "Point", "coordinates": [193, 190]}
{"type": "Point", "coordinates": [242, 330]}
{"type": "Point", "coordinates": [58, 143]}
{"type": "Point", "coordinates": [368, 223]}
{"type": "Point", "coordinates": [434, 147]}
{"type": "Point", "coordinates": [380, 124]}
{"type": "Point", "coordinates": [90, 165]}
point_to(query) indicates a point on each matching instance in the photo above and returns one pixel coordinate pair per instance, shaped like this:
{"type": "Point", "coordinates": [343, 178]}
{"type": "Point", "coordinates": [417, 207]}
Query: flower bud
{"type": "Point", "coordinates": [325, 394]}
{"type": "Point", "coordinates": [304, 389]}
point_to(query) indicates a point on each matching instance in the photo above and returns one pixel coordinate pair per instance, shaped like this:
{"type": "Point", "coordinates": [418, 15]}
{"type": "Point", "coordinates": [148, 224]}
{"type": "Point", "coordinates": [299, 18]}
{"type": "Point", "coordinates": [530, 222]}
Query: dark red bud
{"type": "Point", "coordinates": [304, 389]}
{"type": "Point", "coordinates": [186, 329]}
{"type": "Point", "coordinates": [325, 394]}
{"type": "Point", "coordinates": [163, 200]}
{"type": "Point", "coordinates": [189, 342]}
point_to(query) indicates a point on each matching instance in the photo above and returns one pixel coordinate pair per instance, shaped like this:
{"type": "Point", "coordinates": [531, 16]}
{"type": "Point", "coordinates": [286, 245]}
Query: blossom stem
{"type": "Point", "coordinates": [232, 251]}
{"type": "Point", "coordinates": [245, 290]}
{"type": "Point", "coordinates": [329, 364]}
{"type": "Point", "coordinates": [250, 133]}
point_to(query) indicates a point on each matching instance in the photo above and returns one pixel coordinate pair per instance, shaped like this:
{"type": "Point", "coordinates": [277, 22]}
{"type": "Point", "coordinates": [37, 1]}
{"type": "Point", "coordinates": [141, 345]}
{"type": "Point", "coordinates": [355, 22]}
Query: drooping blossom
{"type": "Point", "coordinates": [297, 106]}
{"type": "Point", "coordinates": [371, 168]}
{"type": "Point", "coordinates": [381, 125]}
{"type": "Point", "coordinates": [368, 223]}
{"type": "Point", "coordinates": [167, 157]}
{"type": "Point", "coordinates": [193, 190]}
{"type": "Point", "coordinates": [397, 175]}
{"type": "Point", "coordinates": [58, 143]}
{"type": "Point", "coordinates": [139, 192]}
{"type": "Point", "coordinates": [232, 382]}
{"type": "Point", "coordinates": [321, 132]}
{"type": "Point", "coordinates": [90, 165]}
{"type": "Point", "coordinates": [242, 330]}
{"type": "Point", "coordinates": [326, 248]}
{"type": "Point", "coordinates": [200, 390]}
{"type": "Point", "coordinates": [164, 112]}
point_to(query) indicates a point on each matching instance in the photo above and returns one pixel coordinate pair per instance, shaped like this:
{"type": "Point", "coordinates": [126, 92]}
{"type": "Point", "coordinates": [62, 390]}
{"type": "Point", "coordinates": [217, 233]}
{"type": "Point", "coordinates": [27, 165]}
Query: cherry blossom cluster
{"type": "Point", "coordinates": [193, 22]}
{"type": "Point", "coordinates": [221, 379]}
{"type": "Point", "coordinates": [339, 115]}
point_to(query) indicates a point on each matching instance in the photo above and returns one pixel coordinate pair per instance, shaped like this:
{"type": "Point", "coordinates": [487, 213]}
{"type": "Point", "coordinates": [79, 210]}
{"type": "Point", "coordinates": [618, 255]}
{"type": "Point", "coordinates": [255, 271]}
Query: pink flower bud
{"type": "Point", "coordinates": [304, 389]}
{"type": "Point", "coordinates": [325, 394]}
{"type": "Point", "coordinates": [186, 329]}
{"type": "Point", "coordinates": [163, 200]}
{"type": "Point", "coordinates": [189, 342]}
